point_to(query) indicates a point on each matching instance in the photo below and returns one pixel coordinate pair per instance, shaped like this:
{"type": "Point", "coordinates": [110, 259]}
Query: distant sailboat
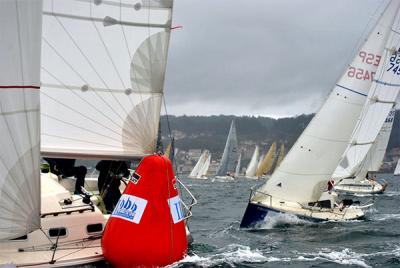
{"type": "Point", "coordinates": [355, 178]}
{"type": "Point", "coordinates": [267, 162]}
{"type": "Point", "coordinates": [281, 155]}
{"type": "Point", "coordinates": [300, 184]}
{"type": "Point", "coordinates": [253, 165]}
{"type": "Point", "coordinates": [227, 166]}
{"type": "Point", "coordinates": [237, 169]}
{"type": "Point", "coordinates": [397, 169]}
{"type": "Point", "coordinates": [201, 168]}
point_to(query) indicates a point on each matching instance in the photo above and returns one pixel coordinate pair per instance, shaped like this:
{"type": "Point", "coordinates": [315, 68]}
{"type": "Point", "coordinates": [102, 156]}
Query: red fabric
{"type": "Point", "coordinates": [156, 240]}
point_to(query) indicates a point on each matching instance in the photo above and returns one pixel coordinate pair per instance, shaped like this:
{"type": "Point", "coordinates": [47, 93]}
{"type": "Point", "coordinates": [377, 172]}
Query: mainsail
{"type": "Point", "coordinates": [199, 165]}
{"type": "Point", "coordinates": [397, 169]}
{"type": "Point", "coordinates": [267, 161]}
{"type": "Point", "coordinates": [303, 175]}
{"type": "Point", "coordinates": [230, 154]}
{"type": "Point", "coordinates": [204, 169]}
{"type": "Point", "coordinates": [237, 169]}
{"type": "Point", "coordinates": [252, 167]}
{"type": "Point", "coordinates": [103, 68]}
{"type": "Point", "coordinates": [20, 33]}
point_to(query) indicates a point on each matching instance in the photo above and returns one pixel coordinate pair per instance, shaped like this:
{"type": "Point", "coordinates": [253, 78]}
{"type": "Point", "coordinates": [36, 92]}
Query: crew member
{"type": "Point", "coordinates": [66, 168]}
{"type": "Point", "coordinates": [109, 181]}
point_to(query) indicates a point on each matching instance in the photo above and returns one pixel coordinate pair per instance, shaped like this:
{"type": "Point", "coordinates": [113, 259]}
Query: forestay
{"type": "Point", "coordinates": [230, 154]}
{"type": "Point", "coordinates": [302, 176]}
{"type": "Point", "coordinates": [20, 35]}
{"type": "Point", "coordinates": [103, 69]}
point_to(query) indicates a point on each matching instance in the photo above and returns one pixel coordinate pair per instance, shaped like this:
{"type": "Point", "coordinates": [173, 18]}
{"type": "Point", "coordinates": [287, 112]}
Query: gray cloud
{"type": "Point", "coordinates": [261, 57]}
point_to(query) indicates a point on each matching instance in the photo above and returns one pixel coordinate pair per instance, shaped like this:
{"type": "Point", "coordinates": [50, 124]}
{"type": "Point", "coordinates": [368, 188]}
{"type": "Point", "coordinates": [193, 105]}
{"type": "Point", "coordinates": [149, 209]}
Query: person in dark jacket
{"type": "Point", "coordinates": [109, 181]}
{"type": "Point", "coordinates": [66, 168]}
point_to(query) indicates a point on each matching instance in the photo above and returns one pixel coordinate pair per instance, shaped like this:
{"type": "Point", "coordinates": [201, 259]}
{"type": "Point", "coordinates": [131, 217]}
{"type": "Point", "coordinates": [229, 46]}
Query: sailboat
{"type": "Point", "coordinates": [359, 179]}
{"type": "Point", "coordinates": [300, 185]}
{"type": "Point", "coordinates": [281, 155]}
{"type": "Point", "coordinates": [227, 166]}
{"type": "Point", "coordinates": [237, 169]}
{"type": "Point", "coordinates": [100, 68]}
{"type": "Point", "coordinates": [253, 165]}
{"type": "Point", "coordinates": [397, 169]}
{"type": "Point", "coordinates": [267, 161]}
{"type": "Point", "coordinates": [200, 170]}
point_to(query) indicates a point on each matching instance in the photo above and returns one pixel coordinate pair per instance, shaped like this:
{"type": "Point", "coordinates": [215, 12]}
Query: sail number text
{"type": "Point", "coordinates": [363, 74]}
{"type": "Point", "coordinates": [395, 63]}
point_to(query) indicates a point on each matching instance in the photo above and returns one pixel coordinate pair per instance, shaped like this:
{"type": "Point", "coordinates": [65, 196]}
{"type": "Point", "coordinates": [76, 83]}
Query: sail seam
{"type": "Point", "coordinates": [352, 90]}
{"type": "Point", "coordinates": [22, 87]}
{"type": "Point", "coordinates": [386, 83]}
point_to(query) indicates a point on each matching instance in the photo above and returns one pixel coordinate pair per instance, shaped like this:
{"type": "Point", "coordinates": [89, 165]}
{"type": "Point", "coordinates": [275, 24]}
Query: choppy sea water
{"type": "Point", "coordinates": [286, 240]}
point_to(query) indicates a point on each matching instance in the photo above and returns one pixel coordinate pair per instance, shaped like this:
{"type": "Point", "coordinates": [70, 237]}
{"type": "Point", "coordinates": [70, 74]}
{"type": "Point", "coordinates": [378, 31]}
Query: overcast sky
{"type": "Point", "coordinates": [261, 57]}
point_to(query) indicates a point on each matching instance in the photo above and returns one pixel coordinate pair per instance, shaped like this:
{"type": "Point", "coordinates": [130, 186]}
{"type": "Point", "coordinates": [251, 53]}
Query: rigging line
{"type": "Point", "coordinates": [73, 139]}
{"type": "Point", "coordinates": [23, 90]}
{"type": "Point", "coordinates": [86, 101]}
{"type": "Point", "coordinates": [78, 112]}
{"type": "Point", "coordinates": [106, 48]}
{"type": "Point", "coordinates": [87, 60]}
{"type": "Point", "coordinates": [79, 127]}
{"type": "Point", "coordinates": [83, 115]}
{"type": "Point", "coordinates": [15, 149]}
{"type": "Point", "coordinates": [126, 41]}
{"type": "Point", "coordinates": [111, 59]}
{"type": "Point", "coordinates": [123, 31]}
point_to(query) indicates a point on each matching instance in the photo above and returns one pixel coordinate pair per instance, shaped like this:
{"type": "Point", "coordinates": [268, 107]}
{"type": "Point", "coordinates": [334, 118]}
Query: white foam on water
{"type": "Point", "coordinates": [274, 219]}
{"type": "Point", "coordinates": [391, 193]}
{"type": "Point", "coordinates": [232, 254]}
{"type": "Point", "coordinates": [344, 257]}
{"type": "Point", "coordinates": [385, 217]}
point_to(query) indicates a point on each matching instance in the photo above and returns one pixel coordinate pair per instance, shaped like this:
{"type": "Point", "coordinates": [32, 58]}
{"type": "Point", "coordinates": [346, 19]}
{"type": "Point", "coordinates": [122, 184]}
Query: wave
{"type": "Point", "coordinates": [280, 220]}
{"type": "Point", "coordinates": [385, 217]}
{"type": "Point", "coordinates": [231, 254]}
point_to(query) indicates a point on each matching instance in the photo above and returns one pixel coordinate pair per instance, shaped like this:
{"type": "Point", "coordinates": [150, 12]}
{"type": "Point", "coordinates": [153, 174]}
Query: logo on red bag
{"type": "Point", "coordinates": [130, 208]}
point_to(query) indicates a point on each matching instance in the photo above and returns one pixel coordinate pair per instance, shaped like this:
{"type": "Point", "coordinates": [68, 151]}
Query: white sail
{"type": "Point", "coordinates": [20, 35]}
{"type": "Point", "coordinates": [381, 99]}
{"type": "Point", "coordinates": [397, 169]}
{"type": "Point", "coordinates": [237, 169]}
{"type": "Point", "coordinates": [103, 68]}
{"type": "Point", "coordinates": [378, 150]}
{"type": "Point", "coordinates": [303, 175]}
{"type": "Point", "coordinates": [229, 157]}
{"type": "Point", "coordinates": [199, 165]}
{"type": "Point", "coordinates": [204, 169]}
{"type": "Point", "coordinates": [252, 167]}
{"type": "Point", "coordinates": [373, 159]}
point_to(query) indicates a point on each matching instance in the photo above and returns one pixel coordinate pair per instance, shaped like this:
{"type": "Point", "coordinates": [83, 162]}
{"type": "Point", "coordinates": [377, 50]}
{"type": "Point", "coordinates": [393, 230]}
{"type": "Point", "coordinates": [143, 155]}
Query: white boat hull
{"type": "Point", "coordinates": [260, 209]}
{"type": "Point", "coordinates": [361, 187]}
{"type": "Point", "coordinates": [81, 244]}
